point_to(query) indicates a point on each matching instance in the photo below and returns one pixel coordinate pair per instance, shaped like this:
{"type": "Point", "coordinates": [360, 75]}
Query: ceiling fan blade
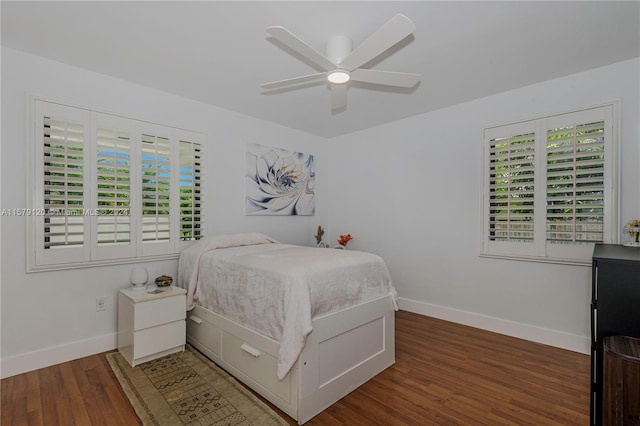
{"type": "Point", "coordinates": [388, 78]}
{"type": "Point", "coordinates": [292, 81]}
{"type": "Point", "coordinates": [338, 96]}
{"type": "Point", "coordinates": [293, 42]}
{"type": "Point", "coordinates": [395, 30]}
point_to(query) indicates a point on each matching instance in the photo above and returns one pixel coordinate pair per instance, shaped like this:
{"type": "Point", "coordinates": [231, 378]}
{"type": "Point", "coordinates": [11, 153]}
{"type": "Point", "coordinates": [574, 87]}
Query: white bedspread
{"type": "Point", "coordinates": [276, 289]}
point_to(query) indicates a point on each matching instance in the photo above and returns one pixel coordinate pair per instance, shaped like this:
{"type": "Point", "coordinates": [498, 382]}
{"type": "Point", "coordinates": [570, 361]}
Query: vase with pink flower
{"type": "Point", "coordinates": [343, 241]}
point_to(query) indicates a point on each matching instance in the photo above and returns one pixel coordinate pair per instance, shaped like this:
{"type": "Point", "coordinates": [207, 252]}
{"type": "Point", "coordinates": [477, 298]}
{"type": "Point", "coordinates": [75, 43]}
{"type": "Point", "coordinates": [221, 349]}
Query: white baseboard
{"type": "Point", "coordinates": [532, 333]}
{"type": "Point", "coordinates": [55, 355]}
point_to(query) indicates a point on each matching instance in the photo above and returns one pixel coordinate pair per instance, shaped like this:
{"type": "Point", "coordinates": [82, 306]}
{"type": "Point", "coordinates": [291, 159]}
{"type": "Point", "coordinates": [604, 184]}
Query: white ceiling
{"type": "Point", "coordinates": [217, 52]}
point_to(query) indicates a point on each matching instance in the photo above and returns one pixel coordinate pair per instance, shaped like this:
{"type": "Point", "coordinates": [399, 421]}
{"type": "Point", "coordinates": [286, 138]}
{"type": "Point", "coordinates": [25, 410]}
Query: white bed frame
{"type": "Point", "coordinates": [345, 349]}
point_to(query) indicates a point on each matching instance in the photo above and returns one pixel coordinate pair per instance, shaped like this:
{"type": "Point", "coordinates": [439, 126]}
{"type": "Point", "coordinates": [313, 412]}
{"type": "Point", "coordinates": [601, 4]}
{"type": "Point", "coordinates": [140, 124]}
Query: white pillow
{"type": "Point", "coordinates": [210, 242]}
{"type": "Point", "coordinates": [236, 240]}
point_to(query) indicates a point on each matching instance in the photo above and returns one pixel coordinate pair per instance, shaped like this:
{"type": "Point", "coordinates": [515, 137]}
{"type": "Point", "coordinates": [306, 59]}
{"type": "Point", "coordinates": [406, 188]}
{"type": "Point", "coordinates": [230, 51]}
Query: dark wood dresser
{"type": "Point", "coordinates": [615, 308]}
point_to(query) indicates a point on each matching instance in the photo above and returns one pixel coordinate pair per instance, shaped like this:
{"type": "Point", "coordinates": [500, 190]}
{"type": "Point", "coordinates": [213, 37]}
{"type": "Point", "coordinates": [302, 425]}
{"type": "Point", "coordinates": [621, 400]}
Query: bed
{"type": "Point", "coordinates": [302, 326]}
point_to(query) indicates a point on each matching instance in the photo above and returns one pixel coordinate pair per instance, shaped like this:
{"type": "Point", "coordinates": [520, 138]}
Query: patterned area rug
{"type": "Point", "coordinates": [188, 389]}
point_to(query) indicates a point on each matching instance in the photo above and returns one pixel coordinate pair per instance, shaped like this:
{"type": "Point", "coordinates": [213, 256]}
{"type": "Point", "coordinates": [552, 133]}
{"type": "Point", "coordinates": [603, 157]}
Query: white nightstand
{"type": "Point", "coordinates": [151, 325]}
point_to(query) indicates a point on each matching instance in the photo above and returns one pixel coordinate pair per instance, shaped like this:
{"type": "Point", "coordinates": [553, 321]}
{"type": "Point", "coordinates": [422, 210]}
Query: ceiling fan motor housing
{"type": "Point", "coordinates": [338, 48]}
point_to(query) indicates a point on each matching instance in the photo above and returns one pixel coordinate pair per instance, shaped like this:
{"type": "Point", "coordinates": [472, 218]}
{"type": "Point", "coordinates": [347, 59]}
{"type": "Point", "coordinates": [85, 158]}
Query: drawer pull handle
{"type": "Point", "coordinates": [195, 319]}
{"type": "Point", "coordinates": [250, 350]}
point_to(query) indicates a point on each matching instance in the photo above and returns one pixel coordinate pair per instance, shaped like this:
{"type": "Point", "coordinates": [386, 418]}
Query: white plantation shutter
{"type": "Point", "coordinates": [581, 171]}
{"type": "Point", "coordinates": [156, 188]}
{"type": "Point", "coordinates": [575, 183]}
{"type": "Point", "coordinates": [107, 189]}
{"type": "Point", "coordinates": [549, 186]}
{"type": "Point", "coordinates": [511, 188]}
{"type": "Point", "coordinates": [191, 201]}
{"type": "Point", "coordinates": [61, 161]}
{"type": "Point", "coordinates": [113, 171]}
{"type": "Point", "coordinates": [113, 223]}
{"type": "Point", "coordinates": [63, 183]}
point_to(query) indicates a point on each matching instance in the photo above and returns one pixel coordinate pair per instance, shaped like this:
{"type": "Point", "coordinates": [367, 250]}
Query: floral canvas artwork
{"type": "Point", "coordinates": [279, 182]}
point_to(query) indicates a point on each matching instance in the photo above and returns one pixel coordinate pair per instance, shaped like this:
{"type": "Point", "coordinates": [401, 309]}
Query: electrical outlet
{"type": "Point", "coordinates": [101, 303]}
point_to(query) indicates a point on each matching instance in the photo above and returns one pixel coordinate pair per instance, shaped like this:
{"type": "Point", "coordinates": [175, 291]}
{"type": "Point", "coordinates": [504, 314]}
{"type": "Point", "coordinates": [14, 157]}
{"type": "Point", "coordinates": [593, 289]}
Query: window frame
{"type": "Point", "coordinates": [91, 254]}
{"type": "Point", "coordinates": [541, 250]}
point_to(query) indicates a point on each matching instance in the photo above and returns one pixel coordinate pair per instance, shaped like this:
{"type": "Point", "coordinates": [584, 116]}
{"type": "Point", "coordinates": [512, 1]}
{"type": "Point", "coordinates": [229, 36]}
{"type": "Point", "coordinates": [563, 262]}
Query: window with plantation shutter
{"type": "Point", "coordinates": [110, 189]}
{"type": "Point", "coordinates": [549, 186]}
{"type": "Point", "coordinates": [156, 188]}
{"type": "Point", "coordinates": [59, 231]}
{"type": "Point", "coordinates": [511, 175]}
{"type": "Point", "coordinates": [63, 183]}
{"type": "Point", "coordinates": [113, 224]}
{"type": "Point", "coordinates": [190, 190]}
{"type": "Point", "coordinates": [114, 186]}
{"type": "Point", "coordinates": [575, 183]}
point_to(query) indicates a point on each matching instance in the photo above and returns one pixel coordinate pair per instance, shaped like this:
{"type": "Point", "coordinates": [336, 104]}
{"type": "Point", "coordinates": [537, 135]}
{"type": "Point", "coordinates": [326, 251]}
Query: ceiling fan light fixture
{"type": "Point", "coordinates": [343, 64]}
{"type": "Point", "coordinates": [338, 77]}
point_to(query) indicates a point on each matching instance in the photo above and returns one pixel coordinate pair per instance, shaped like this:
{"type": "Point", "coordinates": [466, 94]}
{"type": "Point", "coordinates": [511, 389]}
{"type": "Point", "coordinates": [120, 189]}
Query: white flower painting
{"type": "Point", "coordinates": [279, 182]}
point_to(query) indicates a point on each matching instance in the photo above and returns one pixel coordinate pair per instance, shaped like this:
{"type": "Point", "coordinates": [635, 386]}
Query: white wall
{"type": "Point", "coordinates": [49, 317]}
{"type": "Point", "coordinates": [410, 191]}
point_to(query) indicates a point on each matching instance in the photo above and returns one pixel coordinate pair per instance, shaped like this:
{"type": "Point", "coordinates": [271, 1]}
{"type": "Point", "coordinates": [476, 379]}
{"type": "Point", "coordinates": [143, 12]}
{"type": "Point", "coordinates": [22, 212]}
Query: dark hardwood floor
{"type": "Point", "coordinates": [445, 374]}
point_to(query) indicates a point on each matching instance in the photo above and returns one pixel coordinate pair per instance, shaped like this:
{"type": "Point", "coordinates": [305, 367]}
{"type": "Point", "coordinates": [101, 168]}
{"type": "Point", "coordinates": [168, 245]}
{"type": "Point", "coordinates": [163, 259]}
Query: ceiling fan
{"type": "Point", "coordinates": [343, 65]}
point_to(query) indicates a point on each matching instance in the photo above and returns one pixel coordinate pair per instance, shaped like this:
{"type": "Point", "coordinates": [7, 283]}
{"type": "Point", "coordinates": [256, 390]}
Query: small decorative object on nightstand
{"type": "Point", "coordinates": [139, 277]}
{"type": "Point", "coordinates": [151, 324]}
{"type": "Point", "coordinates": [631, 234]}
{"type": "Point", "coordinates": [164, 281]}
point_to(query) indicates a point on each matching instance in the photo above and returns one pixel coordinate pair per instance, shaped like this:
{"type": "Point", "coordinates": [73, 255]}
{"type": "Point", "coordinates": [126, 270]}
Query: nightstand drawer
{"type": "Point", "coordinates": [159, 311]}
{"type": "Point", "coordinates": [156, 339]}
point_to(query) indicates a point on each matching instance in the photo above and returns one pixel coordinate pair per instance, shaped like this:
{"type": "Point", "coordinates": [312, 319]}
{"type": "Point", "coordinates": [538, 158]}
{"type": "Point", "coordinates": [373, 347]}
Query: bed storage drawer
{"type": "Point", "coordinates": [201, 329]}
{"type": "Point", "coordinates": [251, 359]}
